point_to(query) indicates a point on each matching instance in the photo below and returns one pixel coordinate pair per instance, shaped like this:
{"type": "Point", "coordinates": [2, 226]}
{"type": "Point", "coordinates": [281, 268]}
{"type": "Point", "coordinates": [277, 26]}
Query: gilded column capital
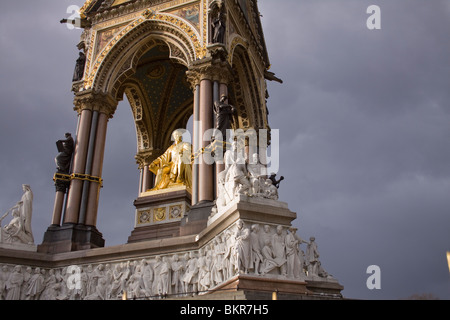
{"type": "Point", "coordinates": [95, 101]}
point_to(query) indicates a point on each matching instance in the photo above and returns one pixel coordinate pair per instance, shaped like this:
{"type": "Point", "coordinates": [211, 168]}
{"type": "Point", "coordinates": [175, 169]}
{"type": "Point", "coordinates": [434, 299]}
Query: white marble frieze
{"type": "Point", "coordinates": [246, 248]}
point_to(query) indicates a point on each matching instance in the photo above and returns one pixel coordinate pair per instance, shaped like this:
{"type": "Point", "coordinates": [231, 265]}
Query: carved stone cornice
{"type": "Point", "coordinates": [210, 68]}
{"type": "Point", "coordinates": [108, 13]}
{"type": "Point", "coordinates": [145, 158]}
{"type": "Point", "coordinates": [95, 101]}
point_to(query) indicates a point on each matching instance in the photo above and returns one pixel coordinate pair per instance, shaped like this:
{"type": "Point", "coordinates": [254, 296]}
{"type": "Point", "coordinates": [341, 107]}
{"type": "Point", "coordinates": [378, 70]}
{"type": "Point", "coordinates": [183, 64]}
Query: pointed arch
{"type": "Point", "coordinates": [119, 58]}
{"type": "Point", "coordinates": [246, 88]}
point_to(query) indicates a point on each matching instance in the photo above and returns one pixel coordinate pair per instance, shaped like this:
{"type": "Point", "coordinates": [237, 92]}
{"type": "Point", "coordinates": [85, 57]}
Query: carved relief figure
{"type": "Point", "coordinates": [190, 277]}
{"type": "Point", "coordinates": [270, 262]}
{"type": "Point", "coordinates": [14, 284]}
{"type": "Point", "coordinates": [177, 268]}
{"type": "Point", "coordinates": [163, 269]}
{"type": "Point", "coordinates": [242, 247]}
{"type": "Point", "coordinates": [147, 277]}
{"type": "Point", "coordinates": [279, 249]}
{"type": "Point", "coordinates": [256, 255]}
{"type": "Point", "coordinates": [218, 261]}
{"type": "Point", "coordinates": [204, 270]}
{"type": "Point", "coordinates": [37, 284]}
{"type": "Point", "coordinates": [4, 275]}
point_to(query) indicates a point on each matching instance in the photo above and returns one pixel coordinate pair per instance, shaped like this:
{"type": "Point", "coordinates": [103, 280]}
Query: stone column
{"type": "Point", "coordinates": [205, 77]}
{"type": "Point", "coordinates": [88, 170]}
{"type": "Point", "coordinates": [97, 169]}
{"type": "Point", "coordinates": [78, 230]}
{"type": "Point", "coordinates": [58, 208]}
{"type": "Point", "coordinates": [144, 159]}
{"type": "Point", "coordinates": [196, 144]}
{"type": "Point", "coordinates": [146, 179]}
{"type": "Point", "coordinates": [95, 109]}
{"type": "Point", "coordinates": [206, 184]}
{"type": "Point", "coordinates": [79, 163]}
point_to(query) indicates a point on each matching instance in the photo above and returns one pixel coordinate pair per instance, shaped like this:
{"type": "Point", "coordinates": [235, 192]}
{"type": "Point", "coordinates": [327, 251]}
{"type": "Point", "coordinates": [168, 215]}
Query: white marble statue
{"type": "Point", "coordinates": [293, 256]}
{"type": "Point", "coordinates": [242, 180]}
{"type": "Point", "coordinates": [234, 179]}
{"type": "Point", "coordinates": [312, 258]}
{"type": "Point", "coordinates": [270, 191]}
{"type": "Point", "coordinates": [257, 175]}
{"type": "Point", "coordinates": [19, 228]}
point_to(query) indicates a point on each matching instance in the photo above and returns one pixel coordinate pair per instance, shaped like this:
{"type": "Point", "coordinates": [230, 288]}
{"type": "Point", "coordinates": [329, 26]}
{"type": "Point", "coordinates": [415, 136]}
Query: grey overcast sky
{"type": "Point", "coordinates": [364, 120]}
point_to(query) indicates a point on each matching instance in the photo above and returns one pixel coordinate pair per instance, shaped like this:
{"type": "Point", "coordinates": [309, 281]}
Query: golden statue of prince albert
{"type": "Point", "coordinates": [174, 167]}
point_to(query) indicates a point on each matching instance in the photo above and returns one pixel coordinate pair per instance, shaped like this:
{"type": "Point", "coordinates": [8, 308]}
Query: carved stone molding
{"type": "Point", "coordinates": [95, 101]}
{"type": "Point", "coordinates": [145, 158]}
{"type": "Point", "coordinates": [209, 69]}
{"type": "Point", "coordinates": [184, 46]}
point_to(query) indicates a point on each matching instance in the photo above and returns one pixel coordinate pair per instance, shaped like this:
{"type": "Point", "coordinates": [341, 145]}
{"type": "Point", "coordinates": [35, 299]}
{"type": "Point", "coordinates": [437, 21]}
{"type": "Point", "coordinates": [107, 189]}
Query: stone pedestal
{"type": "Point", "coordinates": [258, 209]}
{"type": "Point", "coordinates": [159, 214]}
{"type": "Point", "coordinates": [263, 284]}
{"type": "Point", "coordinates": [71, 237]}
{"type": "Point", "coordinates": [19, 247]}
{"type": "Point", "coordinates": [197, 219]}
{"type": "Point", "coordinates": [325, 287]}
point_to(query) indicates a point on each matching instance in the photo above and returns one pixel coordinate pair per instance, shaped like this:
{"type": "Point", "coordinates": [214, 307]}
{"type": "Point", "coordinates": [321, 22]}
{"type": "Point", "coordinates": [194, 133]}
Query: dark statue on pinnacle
{"type": "Point", "coordinates": [224, 115]}
{"type": "Point", "coordinates": [63, 161]}
{"type": "Point", "coordinates": [64, 158]}
{"type": "Point", "coordinates": [79, 68]}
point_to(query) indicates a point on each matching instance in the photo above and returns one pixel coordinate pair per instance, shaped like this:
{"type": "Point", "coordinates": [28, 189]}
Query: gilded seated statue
{"type": "Point", "coordinates": [174, 167]}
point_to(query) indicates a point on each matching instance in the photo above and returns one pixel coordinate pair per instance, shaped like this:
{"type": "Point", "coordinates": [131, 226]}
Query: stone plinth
{"type": "Point", "coordinates": [19, 247]}
{"type": "Point", "coordinates": [257, 209]}
{"type": "Point", "coordinates": [321, 286]}
{"type": "Point", "coordinates": [71, 237]}
{"type": "Point", "coordinates": [264, 284]}
{"type": "Point", "coordinates": [159, 213]}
